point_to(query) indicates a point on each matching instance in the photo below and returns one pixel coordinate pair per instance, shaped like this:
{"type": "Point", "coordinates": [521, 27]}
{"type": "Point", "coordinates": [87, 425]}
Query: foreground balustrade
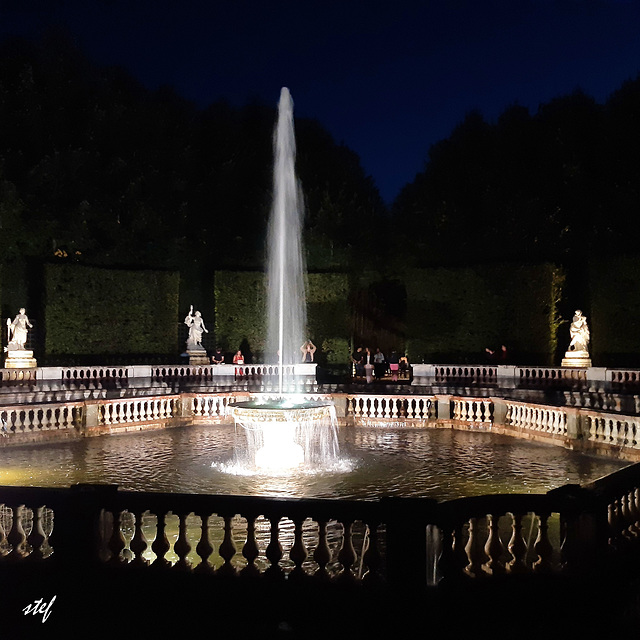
{"type": "Point", "coordinates": [393, 541]}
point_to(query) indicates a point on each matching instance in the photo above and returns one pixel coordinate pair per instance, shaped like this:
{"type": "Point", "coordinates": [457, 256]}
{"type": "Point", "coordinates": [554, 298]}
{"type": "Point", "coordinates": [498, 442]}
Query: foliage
{"type": "Point", "coordinates": [240, 304]}
{"type": "Point", "coordinates": [554, 186]}
{"type": "Point", "coordinates": [454, 314]}
{"type": "Point", "coordinates": [240, 299]}
{"type": "Point", "coordinates": [95, 311]}
{"type": "Point", "coordinates": [614, 321]}
{"type": "Point", "coordinates": [94, 168]}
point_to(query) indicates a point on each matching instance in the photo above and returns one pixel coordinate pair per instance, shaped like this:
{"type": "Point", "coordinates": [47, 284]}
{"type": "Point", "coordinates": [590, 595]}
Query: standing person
{"type": "Point", "coordinates": [367, 361]}
{"type": "Point", "coordinates": [394, 365]}
{"type": "Point", "coordinates": [379, 364]}
{"type": "Point", "coordinates": [238, 358]}
{"type": "Point", "coordinates": [358, 361]}
{"type": "Point", "coordinates": [218, 356]}
{"type": "Point", "coordinates": [308, 349]}
{"type": "Point", "coordinates": [404, 366]}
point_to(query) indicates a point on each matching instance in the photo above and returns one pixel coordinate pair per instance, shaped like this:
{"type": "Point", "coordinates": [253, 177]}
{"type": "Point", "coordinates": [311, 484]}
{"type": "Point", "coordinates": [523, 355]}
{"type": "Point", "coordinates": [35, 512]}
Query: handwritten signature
{"type": "Point", "coordinates": [39, 607]}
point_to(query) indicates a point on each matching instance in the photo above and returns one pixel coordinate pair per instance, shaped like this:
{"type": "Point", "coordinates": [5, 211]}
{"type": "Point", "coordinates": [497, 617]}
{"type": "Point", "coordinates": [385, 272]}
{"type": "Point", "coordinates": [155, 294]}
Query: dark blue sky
{"type": "Point", "coordinates": [387, 78]}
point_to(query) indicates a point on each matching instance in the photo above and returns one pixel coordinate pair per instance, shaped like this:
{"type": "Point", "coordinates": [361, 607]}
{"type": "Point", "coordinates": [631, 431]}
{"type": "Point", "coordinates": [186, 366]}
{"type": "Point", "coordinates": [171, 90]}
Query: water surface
{"type": "Point", "coordinates": [435, 463]}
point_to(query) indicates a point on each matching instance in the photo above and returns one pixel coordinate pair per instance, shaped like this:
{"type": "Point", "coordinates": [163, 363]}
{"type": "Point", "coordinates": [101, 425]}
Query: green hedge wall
{"type": "Point", "coordinates": [93, 311]}
{"type": "Point", "coordinates": [614, 322]}
{"type": "Point", "coordinates": [240, 303]}
{"type": "Point", "coordinates": [454, 314]}
{"type": "Point", "coordinates": [240, 300]}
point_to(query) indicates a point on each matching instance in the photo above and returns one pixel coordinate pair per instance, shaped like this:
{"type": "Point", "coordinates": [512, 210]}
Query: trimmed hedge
{"type": "Point", "coordinates": [240, 299]}
{"type": "Point", "coordinates": [94, 311]}
{"type": "Point", "coordinates": [454, 314]}
{"type": "Point", "coordinates": [614, 321]}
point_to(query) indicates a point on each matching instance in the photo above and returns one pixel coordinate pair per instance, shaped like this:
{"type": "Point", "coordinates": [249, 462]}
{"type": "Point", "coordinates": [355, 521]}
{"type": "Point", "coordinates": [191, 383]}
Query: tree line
{"type": "Point", "coordinates": [559, 185]}
{"type": "Point", "coordinates": [97, 169]}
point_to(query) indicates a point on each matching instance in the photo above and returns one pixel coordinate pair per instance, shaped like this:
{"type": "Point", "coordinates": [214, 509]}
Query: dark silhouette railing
{"type": "Point", "coordinates": [392, 542]}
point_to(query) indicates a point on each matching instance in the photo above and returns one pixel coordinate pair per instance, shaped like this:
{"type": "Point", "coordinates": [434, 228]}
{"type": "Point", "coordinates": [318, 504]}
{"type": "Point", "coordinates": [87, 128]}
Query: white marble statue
{"type": "Point", "coordinates": [18, 330]}
{"type": "Point", "coordinates": [196, 329]}
{"type": "Point", "coordinates": [579, 332]}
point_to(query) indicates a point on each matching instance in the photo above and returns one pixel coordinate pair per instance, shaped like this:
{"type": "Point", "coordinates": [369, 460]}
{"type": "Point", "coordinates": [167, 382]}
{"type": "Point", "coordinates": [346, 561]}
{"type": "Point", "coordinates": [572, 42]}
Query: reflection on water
{"type": "Point", "coordinates": [435, 463]}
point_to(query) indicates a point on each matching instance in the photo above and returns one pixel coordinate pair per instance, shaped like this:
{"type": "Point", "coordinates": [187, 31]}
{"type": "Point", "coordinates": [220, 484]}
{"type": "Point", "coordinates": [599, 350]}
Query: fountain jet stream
{"type": "Point", "coordinates": [286, 302]}
{"type": "Point", "coordinates": [286, 434]}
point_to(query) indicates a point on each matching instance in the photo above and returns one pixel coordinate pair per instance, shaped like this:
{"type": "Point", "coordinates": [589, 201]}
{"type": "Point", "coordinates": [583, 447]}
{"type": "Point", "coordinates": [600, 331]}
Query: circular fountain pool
{"type": "Point", "coordinates": [437, 463]}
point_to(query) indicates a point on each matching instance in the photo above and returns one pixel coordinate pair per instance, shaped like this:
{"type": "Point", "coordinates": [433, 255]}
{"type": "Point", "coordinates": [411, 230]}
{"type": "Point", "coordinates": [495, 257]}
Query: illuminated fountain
{"type": "Point", "coordinates": [285, 433]}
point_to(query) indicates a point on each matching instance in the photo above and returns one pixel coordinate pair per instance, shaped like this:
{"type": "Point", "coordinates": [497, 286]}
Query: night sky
{"type": "Point", "coordinates": [388, 79]}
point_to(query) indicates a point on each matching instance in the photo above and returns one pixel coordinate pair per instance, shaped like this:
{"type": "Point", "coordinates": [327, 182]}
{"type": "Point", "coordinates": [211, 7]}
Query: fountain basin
{"type": "Point", "coordinates": [285, 434]}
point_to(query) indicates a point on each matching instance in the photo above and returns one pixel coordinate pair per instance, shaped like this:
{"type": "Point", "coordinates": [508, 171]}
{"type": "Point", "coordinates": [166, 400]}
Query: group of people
{"type": "Point", "coordinates": [308, 350]}
{"type": "Point", "coordinates": [374, 365]}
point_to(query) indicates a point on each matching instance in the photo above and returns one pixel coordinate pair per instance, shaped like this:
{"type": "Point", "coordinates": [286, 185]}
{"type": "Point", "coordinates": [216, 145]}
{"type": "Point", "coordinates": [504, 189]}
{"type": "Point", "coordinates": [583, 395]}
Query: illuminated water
{"type": "Point", "coordinates": [442, 464]}
{"type": "Point", "coordinates": [286, 304]}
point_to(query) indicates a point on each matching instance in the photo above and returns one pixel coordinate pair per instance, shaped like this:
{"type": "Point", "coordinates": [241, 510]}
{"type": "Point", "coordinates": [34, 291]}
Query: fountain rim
{"type": "Point", "coordinates": [274, 410]}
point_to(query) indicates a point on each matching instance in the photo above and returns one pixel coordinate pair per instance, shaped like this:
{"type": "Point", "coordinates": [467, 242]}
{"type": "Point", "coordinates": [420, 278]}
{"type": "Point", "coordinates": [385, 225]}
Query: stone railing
{"type": "Point", "coordinates": [541, 419]}
{"type": "Point", "coordinates": [522, 376]}
{"type": "Point", "coordinates": [33, 418]}
{"type": "Point", "coordinates": [374, 409]}
{"type": "Point", "coordinates": [401, 543]}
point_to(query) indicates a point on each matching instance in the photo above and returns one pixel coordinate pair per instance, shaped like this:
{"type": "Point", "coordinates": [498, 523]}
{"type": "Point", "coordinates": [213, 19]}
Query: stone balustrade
{"type": "Point", "coordinates": [522, 376]}
{"type": "Point", "coordinates": [392, 541]}
{"type": "Point", "coordinates": [39, 418]}
{"type": "Point", "coordinates": [367, 409]}
{"type": "Point", "coordinates": [475, 410]}
{"type": "Point", "coordinates": [581, 428]}
{"type": "Point", "coordinates": [521, 415]}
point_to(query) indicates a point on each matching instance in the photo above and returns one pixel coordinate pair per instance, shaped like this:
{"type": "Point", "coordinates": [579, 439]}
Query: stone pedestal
{"type": "Point", "coordinates": [198, 357]}
{"type": "Point", "coordinates": [20, 359]}
{"type": "Point", "coordinates": [576, 359]}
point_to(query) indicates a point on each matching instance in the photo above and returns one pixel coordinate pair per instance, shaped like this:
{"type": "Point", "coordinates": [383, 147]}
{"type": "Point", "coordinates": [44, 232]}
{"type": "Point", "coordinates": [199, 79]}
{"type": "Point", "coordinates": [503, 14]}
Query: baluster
{"type": "Point", "coordinates": [204, 548]}
{"type": "Point", "coordinates": [615, 430]}
{"type": "Point", "coordinates": [347, 554]}
{"type": "Point", "coordinates": [393, 403]}
{"type": "Point", "coordinates": [160, 545]}
{"type": "Point", "coordinates": [17, 538]}
{"type": "Point", "coordinates": [37, 537]}
{"type": "Point", "coordinates": [3, 534]}
{"type": "Point", "coordinates": [116, 542]}
{"type": "Point", "coordinates": [138, 544]}
{"type": "Point", "coordinates": [543, 546]}
{"type": "Point", "coordinates": [181, 545]}
{"type": "Point", "coordinates": [227, 548]}
{"type": "Point", "coordinates": [474, 550]}
{"type": "Point", "coordinates": [494, 548]}
{"type": "Point", "coordinates": [372, 559]}
{"type": "Point", "coordinates": [517, 546]}
{"type": "Point", "coordinates": [273, 551]}
{"type": "Point", "coordinates": [250, 549]}
{"type": "Point", "coordinates": [634, 513]}
{"type": "Point", "coordinates": [487, 410]}
{"type": "Point", "coordinates": [322, 553]}
{"type": "Point", "coordinates": [298, 552]}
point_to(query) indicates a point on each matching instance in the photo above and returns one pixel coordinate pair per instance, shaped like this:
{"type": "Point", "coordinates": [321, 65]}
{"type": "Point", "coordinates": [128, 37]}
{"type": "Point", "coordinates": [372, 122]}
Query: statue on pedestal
{"type": "Point", "coordinates": [577, 354]}
{"type": "Point", "coordinates": [18, 357]}
{"type": "Point", "coordinates": [17, 330]}
{"type": "Point", "coordinates": [197, 353]}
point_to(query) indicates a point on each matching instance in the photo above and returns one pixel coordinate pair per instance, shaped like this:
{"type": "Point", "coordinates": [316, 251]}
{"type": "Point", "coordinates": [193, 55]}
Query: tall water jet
{"type": "Point", "coordinates": [286, 303]}
{"type": "Point", "coordinates": [285, 434]}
